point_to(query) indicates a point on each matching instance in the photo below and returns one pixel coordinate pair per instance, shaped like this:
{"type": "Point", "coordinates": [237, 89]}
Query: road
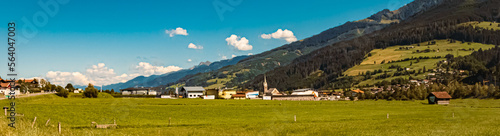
{"type": "Point", "coordinates": [26, 95]}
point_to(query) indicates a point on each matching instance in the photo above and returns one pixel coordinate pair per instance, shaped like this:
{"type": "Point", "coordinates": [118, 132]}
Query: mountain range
{"type": "Point", "coordinates": [157, 80]}
{"type": "Point", "coordinates": [331, 52]}
{"type": "Point", "coordinates": [249, 68]}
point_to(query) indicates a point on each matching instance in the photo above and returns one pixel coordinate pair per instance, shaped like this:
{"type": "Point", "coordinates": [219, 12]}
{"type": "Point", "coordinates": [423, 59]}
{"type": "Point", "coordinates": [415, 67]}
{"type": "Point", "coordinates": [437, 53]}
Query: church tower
{"type": "Point", "coordinates": [265, 84]}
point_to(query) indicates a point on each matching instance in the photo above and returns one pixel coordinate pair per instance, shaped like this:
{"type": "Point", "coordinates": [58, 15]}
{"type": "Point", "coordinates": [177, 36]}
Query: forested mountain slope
{"type": "Point", "coordinates": [247, 69]}
{"type": "Point", "coordinates": [441, 22]}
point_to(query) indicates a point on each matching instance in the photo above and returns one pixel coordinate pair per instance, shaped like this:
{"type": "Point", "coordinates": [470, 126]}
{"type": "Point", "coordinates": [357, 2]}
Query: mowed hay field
{"type": "Point", "coordinates": [146, 116]}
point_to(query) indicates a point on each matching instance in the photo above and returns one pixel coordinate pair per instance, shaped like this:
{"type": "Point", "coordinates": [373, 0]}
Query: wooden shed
{"type": "Point", "coordinates": [439, 98]}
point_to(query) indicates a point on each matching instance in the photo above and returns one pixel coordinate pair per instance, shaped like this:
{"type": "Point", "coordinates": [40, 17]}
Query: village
{"type": "Point", "coordinates": [199, 92]}
{"type": "Point", "coordinates": [305, 94]}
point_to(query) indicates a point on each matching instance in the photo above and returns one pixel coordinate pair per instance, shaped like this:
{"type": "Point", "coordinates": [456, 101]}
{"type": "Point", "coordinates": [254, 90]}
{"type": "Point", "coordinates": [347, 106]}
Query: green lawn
{"type": "Point", "coordinates": [143, 116]}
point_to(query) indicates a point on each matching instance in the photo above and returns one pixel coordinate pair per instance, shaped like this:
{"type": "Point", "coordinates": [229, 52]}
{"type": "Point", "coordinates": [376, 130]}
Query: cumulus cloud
{"type": "Point", "coordinates": [240, 43]}
{"type": "Point", "coordinates": [189, 60]}
{"type": "Point", "coordinates": [62, 78]}
{"type": "Point", "coordinates": [232, 56]}
{"type": "Point", "coordinates": [250, 54]}
{"type": "Point", "coordinates": [177, 31]}
{"type": "Point", "coordinates": [101, 75]}
{"type": "Point", "coordinates": [147, 69]}
{"type": "Point", "coordinates": [224, 57]}
{"type": "Point", "coordinates": [192, 46]}
{"type": "Point", "coordinates": [286, 35]}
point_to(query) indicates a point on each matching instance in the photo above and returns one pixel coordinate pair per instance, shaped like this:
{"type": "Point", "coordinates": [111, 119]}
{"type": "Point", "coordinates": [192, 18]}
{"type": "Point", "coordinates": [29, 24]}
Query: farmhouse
{"type": "Point", "coordinates": [5, 89]}
{"type": "Point", "coordinates": [439, 98]}
{"type": "Point", "coordinates": [5, 84]}
{"type": "Point", "coordinates": [138, 91]}
{"type": "Point", "coordinates": [227, 93]}
{"type": "Point", "coordinates": [32, 82]}
{"type": "Point", "coordinates": [192, 91]}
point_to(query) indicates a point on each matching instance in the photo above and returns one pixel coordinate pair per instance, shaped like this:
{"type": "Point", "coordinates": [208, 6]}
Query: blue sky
{"type": "Point", "coordinates": [102, 40]}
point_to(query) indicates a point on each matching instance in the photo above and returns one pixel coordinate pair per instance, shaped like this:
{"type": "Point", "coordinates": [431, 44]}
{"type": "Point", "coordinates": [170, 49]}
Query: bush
{"type": "Point", "coordinates": [90, 92]}
{"type": "Point", "coordinates": [63, 93]}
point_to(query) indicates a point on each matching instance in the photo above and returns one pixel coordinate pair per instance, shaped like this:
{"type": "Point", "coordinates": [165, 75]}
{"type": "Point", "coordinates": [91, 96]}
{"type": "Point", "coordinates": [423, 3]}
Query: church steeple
{"type": "Point", "coordinates": [265, 84]}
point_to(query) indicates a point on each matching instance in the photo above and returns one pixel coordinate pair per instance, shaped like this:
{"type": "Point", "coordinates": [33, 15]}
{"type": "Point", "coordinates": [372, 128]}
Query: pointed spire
{"type": "Point", "coordinates": [265, 84]}
{"type": "Point", "coordinates": [265, 78]}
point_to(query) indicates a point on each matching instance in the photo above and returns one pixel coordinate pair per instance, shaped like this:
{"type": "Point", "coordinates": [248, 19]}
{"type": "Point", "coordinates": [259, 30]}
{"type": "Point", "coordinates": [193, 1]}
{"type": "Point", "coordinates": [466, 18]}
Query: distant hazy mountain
{"type": "Point", "coordinates": [249, 68]}
{"type": "Point", "coordinates": [157, 80]}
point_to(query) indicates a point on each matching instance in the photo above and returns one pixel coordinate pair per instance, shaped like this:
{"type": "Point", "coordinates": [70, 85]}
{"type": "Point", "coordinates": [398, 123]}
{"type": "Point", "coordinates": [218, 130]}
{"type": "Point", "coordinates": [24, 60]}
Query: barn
{"type": "Point", "coordinates": [192, 91]}
{"type": "Point", "coordinates": [439, 98]}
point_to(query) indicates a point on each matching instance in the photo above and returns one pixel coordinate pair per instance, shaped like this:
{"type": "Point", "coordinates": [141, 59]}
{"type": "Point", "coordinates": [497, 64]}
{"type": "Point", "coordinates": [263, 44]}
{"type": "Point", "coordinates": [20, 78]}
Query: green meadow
{"type": "Point", "coordinates": [147, 116]}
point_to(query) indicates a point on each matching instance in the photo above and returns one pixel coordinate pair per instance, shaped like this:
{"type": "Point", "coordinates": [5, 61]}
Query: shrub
{"type": "Point", "coordinates": [90, 92]}
{"type": "Point", "coordinates": [63, 93]}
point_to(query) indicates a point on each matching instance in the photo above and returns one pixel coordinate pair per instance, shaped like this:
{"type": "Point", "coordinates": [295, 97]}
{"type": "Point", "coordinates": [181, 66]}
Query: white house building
{"type": "Point", "coordinates": [252, 95]}
{"type": "Point", "coordinates": [5, 90]}
{"type": "Point", "coordinates": [191, 91]}
{"type": "Point", "coordinates": [138, 91]}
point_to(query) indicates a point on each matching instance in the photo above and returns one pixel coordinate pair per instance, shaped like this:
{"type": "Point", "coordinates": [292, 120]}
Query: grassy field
{"type": "Point", "coordinates": [253, 117]}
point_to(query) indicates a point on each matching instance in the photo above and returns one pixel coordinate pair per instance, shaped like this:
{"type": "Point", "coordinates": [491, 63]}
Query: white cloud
{"type": "Point", "coordinates": [62, 78]}
{"type": "Point", "coordinates": [232, 56]}
{"type": "Point", "coordinates": [250, 54]}
{"type": "Point", "coordinates": [189, 60]}
{"type": "Point", "coordinates": [177, 31]}
{"type": "Point", "coordinates": [286, 35]}
{"type": "Point", "coordinates": [239, 43]}
{"type": "Point", "coordinates": [224, 57]}
{"type": "Point", "coordinates": [192, 46]}
{"type": "Point", "coordinates": [147, 69]}
{"type": "Point", "coordinates": [101, 75]}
